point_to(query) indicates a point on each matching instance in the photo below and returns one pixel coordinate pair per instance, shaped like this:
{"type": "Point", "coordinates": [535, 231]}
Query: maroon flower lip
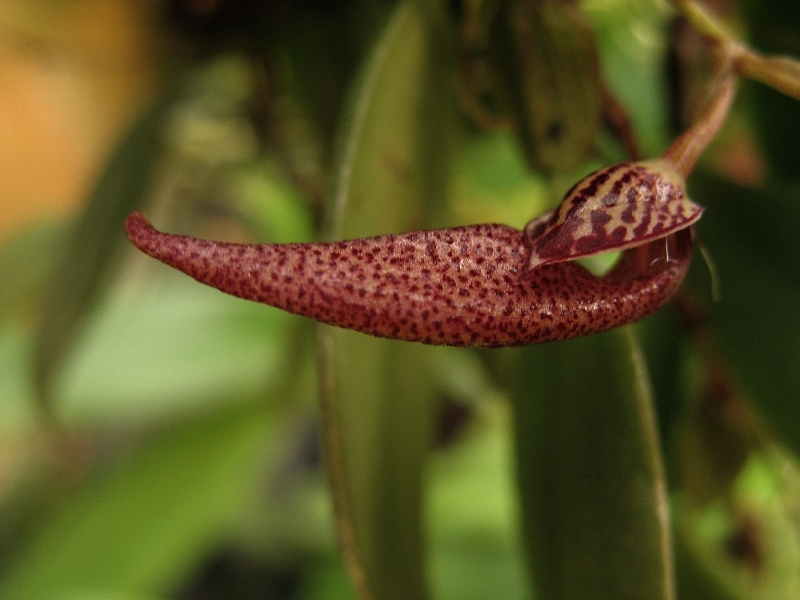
{"type": "Point", "coordinates": [464, 286]}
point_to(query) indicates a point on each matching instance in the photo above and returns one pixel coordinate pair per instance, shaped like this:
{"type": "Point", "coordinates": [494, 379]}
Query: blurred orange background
{"type": "Point", "coordinates": [73, 76]}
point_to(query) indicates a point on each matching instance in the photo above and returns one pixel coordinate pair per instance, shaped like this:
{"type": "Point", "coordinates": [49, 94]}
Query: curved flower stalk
{"type": "Point", "coordinates": [466, 286]}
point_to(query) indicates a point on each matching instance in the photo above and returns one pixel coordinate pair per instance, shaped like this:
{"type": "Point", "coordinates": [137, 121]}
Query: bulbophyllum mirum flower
{"type": "Point", "coordinates": [484, 285]}
{"type": "Point", "coordinates": [465, 286]}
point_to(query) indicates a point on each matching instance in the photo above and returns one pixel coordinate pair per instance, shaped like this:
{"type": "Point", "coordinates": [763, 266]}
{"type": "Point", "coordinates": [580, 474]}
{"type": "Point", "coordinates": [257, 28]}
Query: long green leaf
{"type": "Point", "coordinates": [89, 248]}
{"type": "Point", "coordinates": [377, 395]}
{"type": "Point", "coordinates": [590, 472]}
{"type": "Point", "coordinates": [141, 527]}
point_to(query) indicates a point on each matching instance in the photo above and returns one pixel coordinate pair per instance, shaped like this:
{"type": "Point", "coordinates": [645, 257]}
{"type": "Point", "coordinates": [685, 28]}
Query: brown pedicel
{"type": "Point", "coordinates": [465, 286]}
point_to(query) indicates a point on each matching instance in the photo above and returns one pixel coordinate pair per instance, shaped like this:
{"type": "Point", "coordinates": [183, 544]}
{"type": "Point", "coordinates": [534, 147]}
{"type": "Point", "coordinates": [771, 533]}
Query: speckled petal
{"type": "Point", "coordinates": [467, 286]}
{"type": "Point", "coordinates": [615, 208]}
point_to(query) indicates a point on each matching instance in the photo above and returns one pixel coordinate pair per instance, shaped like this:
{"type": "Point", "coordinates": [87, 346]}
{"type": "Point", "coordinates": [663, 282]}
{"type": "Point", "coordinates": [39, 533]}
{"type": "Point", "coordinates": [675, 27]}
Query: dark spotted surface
{"type": "Point", "coordinates": [615, 208]}
{"type": "Point", "coordinates": [466, 286]}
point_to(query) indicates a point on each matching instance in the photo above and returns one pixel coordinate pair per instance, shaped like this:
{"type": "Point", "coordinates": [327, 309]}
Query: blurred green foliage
{"type": "Point", "coordinates": [161, 440]}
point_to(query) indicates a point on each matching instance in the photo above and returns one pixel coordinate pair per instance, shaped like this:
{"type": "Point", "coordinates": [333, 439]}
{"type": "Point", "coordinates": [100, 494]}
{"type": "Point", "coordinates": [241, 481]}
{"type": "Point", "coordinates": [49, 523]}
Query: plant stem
{"type": "Point", "coordinates": [684, 152]}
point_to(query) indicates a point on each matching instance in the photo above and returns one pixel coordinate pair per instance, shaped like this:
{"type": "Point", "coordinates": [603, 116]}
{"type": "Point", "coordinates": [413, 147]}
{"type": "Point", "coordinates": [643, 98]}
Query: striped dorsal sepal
{"type": "Point", "coordinates": [615, 208]}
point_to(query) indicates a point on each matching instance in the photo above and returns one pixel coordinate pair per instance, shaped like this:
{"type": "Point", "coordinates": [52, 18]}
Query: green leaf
{"type": "Point", "coordinates": [26, 262]}
{"type": "Point", "coordinates": [170, 350]}
{"type": "Point", "coordinates": [89, 248]}
{"type": "Point", "coordinates": [377, 394]}
{"type": "Point", "coordinates": [140, 527]}
{"type": "Point", "coordinates": [472, 510]}
{"type": "Point", "coordinates": [590, 471]}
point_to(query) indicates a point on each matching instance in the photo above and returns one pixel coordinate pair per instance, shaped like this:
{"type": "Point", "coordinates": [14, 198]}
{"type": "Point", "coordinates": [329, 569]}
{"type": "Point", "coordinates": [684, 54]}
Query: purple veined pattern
{"type": "Point", "coordinates": [465, 286]}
